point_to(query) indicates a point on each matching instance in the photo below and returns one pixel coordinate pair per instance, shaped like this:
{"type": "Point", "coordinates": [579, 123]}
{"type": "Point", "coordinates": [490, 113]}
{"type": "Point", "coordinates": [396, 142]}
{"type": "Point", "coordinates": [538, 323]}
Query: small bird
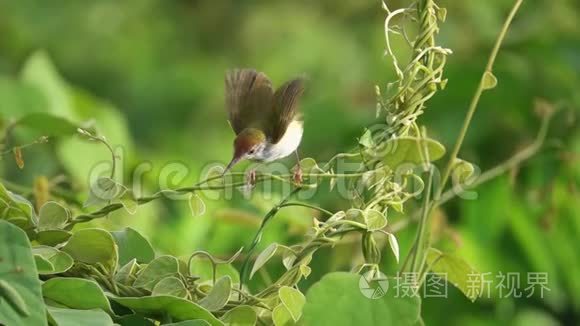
{"type": "Point", "coordinates": [266, 123]}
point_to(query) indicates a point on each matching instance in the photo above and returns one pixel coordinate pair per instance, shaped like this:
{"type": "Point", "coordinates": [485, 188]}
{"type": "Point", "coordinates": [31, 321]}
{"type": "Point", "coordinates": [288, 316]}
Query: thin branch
{"type": "Point", "coordinates": [476, 97]}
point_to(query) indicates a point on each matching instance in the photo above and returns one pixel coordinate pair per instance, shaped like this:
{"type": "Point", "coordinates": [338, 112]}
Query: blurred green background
{"type": "Point", "coordinates": [150, 75]}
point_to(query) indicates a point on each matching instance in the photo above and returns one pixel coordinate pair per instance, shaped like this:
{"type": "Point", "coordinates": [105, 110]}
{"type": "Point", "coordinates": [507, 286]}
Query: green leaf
{"type": "Point", "coordinates": [92, 246]}
{"type": "Point", "coordinates": [240, 316]}
{"type": "Point", "coordinates": [197, 322]}
{"type": "Point", "coordinates": [337, 300]}
{"type": "Point", "coordinates": [43, 265]}
{"type": "Point", "coordinates": [135, 320]}
{"type": "Point", "coordinates": [355, 214]}
{"type": "Point", "coordinates": [52, 237]}
{"type": "Point", "coordinates": [20, 296]}
{"type": "Point", "coordinates": [170, 285]}
{"type": "Point", "coordinates": [408, 150]}
{"type": "Point", "coordinates": [456, 270]}
{"type": "Point", "coordinates": [76, 293]}
{"type": "Point", "coordinates": [39, 71]}
{"type": "Point", "coordinates": [52, 215]}
{"type": "Point", "coordinates": [133, 245]}
{"type": "Point", "coordinates": [19, 98]}
{"type": "Point", "coordinates": [13, 299]}
{"type": "Point", "coordinates": [60, 261]}
{"type": "Point", "coordinates": [202, 268]}
{"type": "Point", "coordinates": [366, 139]}
{"type": "Point", "coordinates": [281, 316]}
{"type": "Point", "coordinates": [129, 202]}
{"type": "Point", "coordinates": [489, 80]}
{"type": "Point", "coordinates": [47, 124]}
{"type": "Point", "coordinates": [462, 171]}
{"type": "Point", "coordinates": [374, 220]}
{"type": "Point", "coordinates": [125, 275]}
{"type": "Point", "coordinates": [219, 295]}
{"type": "Point", "coordinates": [196, 205]}
{"type": "Point", "coordinates": [73, 317]}
{"type": "Point", "coordinates": [158, 269]}
{"type": "Point", "coordinates": [263, 258]}
{"type": "Point", "coordinates": [103, 191]}
{"type": "Point", "coordinates": [394, 245]}
{"type": "Point", "coordinates": [176, 308]}
{"type": "Point", "coordinates": [16, 209]}
{"type": "Point", "coordinates": [293, 300]}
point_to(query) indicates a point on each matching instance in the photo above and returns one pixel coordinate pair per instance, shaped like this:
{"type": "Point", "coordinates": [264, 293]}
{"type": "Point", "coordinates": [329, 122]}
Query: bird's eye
{"type": "Point", "coordinates": [251, 151]}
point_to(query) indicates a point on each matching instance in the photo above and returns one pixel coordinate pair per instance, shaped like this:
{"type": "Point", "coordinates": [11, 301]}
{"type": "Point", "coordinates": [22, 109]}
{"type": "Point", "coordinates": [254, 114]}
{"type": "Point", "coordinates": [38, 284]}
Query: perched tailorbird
{"type": "Point", "coordinates": [266, 122]}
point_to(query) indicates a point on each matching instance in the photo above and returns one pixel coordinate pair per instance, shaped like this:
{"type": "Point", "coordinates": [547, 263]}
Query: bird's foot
{"type": "Point", "coordinates": [251, 177]}
{"type": "Point", "coordinates": [297, 176]}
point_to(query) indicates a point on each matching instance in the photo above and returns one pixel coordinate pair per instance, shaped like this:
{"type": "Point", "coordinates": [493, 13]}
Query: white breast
{"type": "Point", "coordinates": [287, 144]}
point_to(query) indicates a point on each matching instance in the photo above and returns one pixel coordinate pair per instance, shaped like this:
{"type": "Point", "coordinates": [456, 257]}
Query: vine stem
{"type": "Point", "coordinates": [417, 253]}
{"type": "Point", "coordinates": [258, 236]}
{"type": "Point", "coordinates": [476, 97]}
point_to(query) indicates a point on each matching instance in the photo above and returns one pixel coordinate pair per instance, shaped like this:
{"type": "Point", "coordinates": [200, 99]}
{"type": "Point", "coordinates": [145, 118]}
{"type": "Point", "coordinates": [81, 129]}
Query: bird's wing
{"type": "Point", "coordinates": [248, 98]}
{"type": "Point", "coordinates": [285, 107]}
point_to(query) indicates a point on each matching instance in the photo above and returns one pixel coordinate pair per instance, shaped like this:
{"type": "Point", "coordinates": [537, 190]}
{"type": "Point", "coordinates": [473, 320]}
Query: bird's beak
{"type": "Point", "coordinates": [231, 164]}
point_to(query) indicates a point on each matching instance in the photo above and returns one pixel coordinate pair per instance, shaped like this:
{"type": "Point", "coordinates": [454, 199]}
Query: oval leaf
{"type": "Point", "coordinates": [337, 300]}
{"type": "Point", "coordinates": [132, 245]}
{"type": "Point", "coordinates": [176, 308]}
{"type": "Point", "coordinates": [196, 205]}
{"type": "Point", "coordinates": [293, 300]}
{"type": "Point", "coordinates": [241, 316]}
{"type": "Point", "coordinates": [76, 293]}
{"type": "Point", "coordinates": [408, 150]}
{"type": "Point", "coordinates": [60, 261]}
{"type": "Point", "coordinates": [219, 295]}
{"type": "Point", "coordinates": [263, 258]}
{"type": "Point", "coordinates": [456, 270]}
{"type": "Point", "coordinates": [20, 298]}
{"type": "Point", "coordinates": [157, 270]}
{"type": "Point", "coordinates": [52, 215]}
{"type": "Point", "coordinates": [170, 286]}
{"type": "Point", "coordinates": [374, 220]}
{"type": "Point", "coordinates": [394, 245]}
{"type": "Point", "coordinates": [92, 246]}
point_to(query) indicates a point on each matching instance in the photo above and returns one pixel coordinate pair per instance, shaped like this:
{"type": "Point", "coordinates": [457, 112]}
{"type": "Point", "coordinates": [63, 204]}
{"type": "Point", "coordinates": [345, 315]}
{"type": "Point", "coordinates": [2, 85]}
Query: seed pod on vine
{"type": "Point", "coordinates": [370, 249]}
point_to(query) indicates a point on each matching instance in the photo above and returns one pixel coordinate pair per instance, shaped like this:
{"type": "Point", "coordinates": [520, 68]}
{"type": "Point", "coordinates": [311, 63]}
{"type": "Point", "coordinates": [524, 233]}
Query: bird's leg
{"type": "Point", "coordinates": [251, 177]}
{"type": "Point", "coordinates": [298, 172]}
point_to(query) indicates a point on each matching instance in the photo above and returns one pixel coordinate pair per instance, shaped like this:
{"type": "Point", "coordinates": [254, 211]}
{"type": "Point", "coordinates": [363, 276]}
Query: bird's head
{"type": "Point", "coordinates": [248, 144]}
